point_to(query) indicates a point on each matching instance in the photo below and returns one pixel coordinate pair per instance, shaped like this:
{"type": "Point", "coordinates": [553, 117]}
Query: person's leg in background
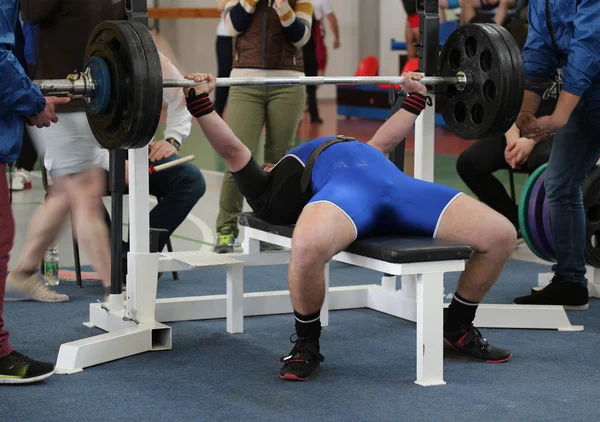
{"type": "Point", "coordinates": [284, 111]}
{"type": "Point", "coordinates": [44, 227]}
{"type": "Point", "coordinates": [311, 68]}
{"type": "Point", "coordinates": [78, 186]}
{"type": "Point", "coordinates": [6, 242]}
{"type": "Point", "coordinates": [14, 367]}
{"type": "Point", "coordinates": [246, 117]}
{"type": "Point", "coordinates": [85, 191]}
{"type": "Point", "coordinates": [318, 35]}
{"type": "Point", "coordinates": [476, 166]}
{"type": "Point", "coordinates": [575, 149]}
{"type": "Point", "coordinates": [224, 64]}
{"type": "Point", "coordinates": [179, 189]}
{"type": "Point", "coordinates": [21, 177]}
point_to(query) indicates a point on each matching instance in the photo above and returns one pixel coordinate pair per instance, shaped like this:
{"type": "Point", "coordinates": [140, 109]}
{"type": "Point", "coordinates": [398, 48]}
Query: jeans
{"type": "Point", "coordinates": [6, 241]}
{"type": "Point", "coordinates": [177, 190]}
{"type": "Point", "coordinates": [476, 166]}
{"type": "Point", "coordinates": [575, 150]}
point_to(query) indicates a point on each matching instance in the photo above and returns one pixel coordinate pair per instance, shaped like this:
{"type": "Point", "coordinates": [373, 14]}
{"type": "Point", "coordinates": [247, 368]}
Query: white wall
{"type": "Point", "coordinates": [190, 43]}
{"type": "Point", "coordinates": [342, 62]}
{"type": "Point", "coordinates": [392, 21]}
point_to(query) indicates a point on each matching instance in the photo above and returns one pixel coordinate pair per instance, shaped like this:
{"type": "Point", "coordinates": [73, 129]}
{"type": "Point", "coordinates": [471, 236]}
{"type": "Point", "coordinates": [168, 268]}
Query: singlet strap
{"type": "Point", "coordinates": [310, 163]}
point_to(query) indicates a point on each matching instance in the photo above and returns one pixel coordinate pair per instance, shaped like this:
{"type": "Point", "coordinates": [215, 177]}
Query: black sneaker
{"type": "Point", "coordinates": [19, 369]}
{"type": "Point", "coordinates": [269, 247]}
{"type": "Point", "coordinates": [302, 361]}
{"type": "Point", "coordinates": [226, 240]}
{"type": "Point", "coordinates": [468, 343]}
{"type": "Point", "coordinates": [562, 292]}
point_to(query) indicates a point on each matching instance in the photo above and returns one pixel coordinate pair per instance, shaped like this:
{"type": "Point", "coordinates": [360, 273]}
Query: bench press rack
{"type": "Point", "coordinates": [135, 325]}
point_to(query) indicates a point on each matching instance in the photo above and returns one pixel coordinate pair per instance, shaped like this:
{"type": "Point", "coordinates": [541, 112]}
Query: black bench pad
{"type": "Point", "coordinates": [393, 249]}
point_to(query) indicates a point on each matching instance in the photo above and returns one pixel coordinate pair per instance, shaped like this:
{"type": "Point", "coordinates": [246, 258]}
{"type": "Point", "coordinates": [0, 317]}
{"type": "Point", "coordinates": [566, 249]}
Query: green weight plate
{"type": "Point", "coordinates": [524, 209]}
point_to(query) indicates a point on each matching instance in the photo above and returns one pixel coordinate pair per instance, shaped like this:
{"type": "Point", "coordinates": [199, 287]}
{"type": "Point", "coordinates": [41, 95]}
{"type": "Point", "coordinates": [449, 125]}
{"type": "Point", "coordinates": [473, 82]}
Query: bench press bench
{"type": "Point", "coordinates": [422, 263]}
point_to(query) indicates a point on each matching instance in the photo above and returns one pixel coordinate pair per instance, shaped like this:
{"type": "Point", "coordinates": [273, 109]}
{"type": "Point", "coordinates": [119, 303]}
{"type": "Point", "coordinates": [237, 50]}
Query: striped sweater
{"type": "Point", "coordinates": [296, 22]}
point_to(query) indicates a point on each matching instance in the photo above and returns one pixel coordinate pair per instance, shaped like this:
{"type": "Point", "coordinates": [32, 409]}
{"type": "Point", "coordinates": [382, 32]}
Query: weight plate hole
{"type": "Point", "coordinates": [454, 59]}
{"type": "Point", "coordinates": [460, 112]}
{"type": "Point", "coordinates": [489, 91]}
{"type": "Point", "coordinates": [477, 113]}
{"type": "Point", "coordinates": [593, 214]}
{"type": "Point", "coordinates": [594, 240]}
{"type": "Point", "coordinates": [485, 61]}
{"type": "Point", "coordinates": [471, 47]}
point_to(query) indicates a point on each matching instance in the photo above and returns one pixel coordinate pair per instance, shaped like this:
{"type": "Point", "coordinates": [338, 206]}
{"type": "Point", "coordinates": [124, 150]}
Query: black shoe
{"type": "Point", "coordinates": [19, 369]}
{"type": "Point", "coordinates": [269, 247]}
{"type": "Point", "coordinates": [316, 120]}
{"type": "Point", "coordinates": [559, 292]}
{"type": "Point", "coordinates": [468, 343]}
{"type": "Point", "coordinates": [302, 361]}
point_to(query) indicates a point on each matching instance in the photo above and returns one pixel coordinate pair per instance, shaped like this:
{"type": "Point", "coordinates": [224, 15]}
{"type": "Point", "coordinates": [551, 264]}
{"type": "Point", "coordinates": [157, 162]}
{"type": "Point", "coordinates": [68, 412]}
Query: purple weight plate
{"type": "Point", "coordinates": [535, 218]}
{"type": "Point", "coordinates": [547, 225]}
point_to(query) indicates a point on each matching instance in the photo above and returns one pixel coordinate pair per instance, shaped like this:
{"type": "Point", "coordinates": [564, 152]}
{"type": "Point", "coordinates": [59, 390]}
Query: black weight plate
{"type": "Point", "coordinates": [125, 123]}
{"type": "Point", "coordinates": [489, 56]}
{"type": "Point", "coordinates": [591, 205]}
{"type": "Point", "coordinates": [150, 115]}
{"type": "Point", "coordinates": [517, 88]}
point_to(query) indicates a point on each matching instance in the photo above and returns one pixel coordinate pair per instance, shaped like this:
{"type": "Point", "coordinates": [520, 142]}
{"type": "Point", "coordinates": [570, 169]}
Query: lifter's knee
{"type": "Point", "coordinates": [500, 238]}
{"type": "Point", "coordinates": [308, 252]}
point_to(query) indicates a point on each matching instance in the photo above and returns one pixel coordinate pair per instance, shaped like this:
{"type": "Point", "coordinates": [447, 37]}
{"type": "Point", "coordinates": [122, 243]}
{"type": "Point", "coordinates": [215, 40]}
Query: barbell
{"type": "Point", "coordinates": [121, 81]}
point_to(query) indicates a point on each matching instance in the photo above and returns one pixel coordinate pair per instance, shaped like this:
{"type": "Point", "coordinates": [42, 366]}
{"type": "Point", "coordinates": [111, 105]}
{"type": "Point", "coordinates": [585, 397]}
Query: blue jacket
{"type": "Point", "coordinates": [19, 97]}
{"type": "Point", "coordinates": [576, 25]}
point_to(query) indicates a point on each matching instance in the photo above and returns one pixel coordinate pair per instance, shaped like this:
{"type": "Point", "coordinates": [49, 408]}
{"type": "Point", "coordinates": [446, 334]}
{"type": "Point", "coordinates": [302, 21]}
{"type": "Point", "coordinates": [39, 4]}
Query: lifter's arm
{"type": "Point", "coordinates": [219, 135]}
{"type": "Point", "coordinates": [402, 122]}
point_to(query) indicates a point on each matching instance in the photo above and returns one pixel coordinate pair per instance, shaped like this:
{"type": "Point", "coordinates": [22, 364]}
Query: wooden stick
{"type": "Point", "coordinates": [161, 167]}
{"type": "Point", "coordinates": [182, 13]}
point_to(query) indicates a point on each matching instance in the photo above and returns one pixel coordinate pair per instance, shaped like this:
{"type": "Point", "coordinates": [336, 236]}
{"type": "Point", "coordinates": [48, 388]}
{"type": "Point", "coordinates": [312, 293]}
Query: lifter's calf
{"type": "Point", "coordinates": [493, 239]}
{"type": "Point", "coordinates": [321, 231]}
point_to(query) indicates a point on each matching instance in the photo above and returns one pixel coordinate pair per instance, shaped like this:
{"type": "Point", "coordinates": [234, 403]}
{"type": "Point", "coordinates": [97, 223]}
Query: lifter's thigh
{"type": "Point", "coordinates": [468, 221]}
{"type": "Point", "coordinates": [322, 231]}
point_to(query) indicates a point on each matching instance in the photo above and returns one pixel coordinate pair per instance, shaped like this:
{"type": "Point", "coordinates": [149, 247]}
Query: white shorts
{"type": "Point", "coordinates": [69, 146]}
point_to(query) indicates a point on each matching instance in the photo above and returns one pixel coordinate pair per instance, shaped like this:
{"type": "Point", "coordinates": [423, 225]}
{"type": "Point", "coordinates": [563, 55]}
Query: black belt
{"type": "Point", "coordinates": [310, 163]}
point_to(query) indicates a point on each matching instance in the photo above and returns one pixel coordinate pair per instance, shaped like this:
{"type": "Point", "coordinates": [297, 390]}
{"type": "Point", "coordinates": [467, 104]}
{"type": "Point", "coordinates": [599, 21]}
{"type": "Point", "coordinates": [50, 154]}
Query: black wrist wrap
{"type": "Point", "coordinates": [199, 105]}
{"type": "Point", "coordinates": [414, 103]}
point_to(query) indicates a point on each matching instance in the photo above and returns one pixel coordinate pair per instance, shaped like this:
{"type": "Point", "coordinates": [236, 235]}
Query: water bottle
{"type": "Point", "coordinates": [51, 266]}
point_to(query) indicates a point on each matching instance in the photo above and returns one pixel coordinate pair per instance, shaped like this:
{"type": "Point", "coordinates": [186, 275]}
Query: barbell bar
{"type": "Point", "coordinates": [481, 70]}
{"type": "Point", "coordinates": [79, 86]}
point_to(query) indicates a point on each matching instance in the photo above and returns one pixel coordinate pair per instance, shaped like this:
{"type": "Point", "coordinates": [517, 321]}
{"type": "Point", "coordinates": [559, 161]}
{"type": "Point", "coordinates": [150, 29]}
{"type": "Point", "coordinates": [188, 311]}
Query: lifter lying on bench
{"type": "Point", "coordinates": [337, 190]}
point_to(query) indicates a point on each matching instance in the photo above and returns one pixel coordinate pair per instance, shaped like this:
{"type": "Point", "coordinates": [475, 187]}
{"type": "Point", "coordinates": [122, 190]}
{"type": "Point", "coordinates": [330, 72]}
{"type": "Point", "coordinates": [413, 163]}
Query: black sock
{"type": "Point", "coordinates": [308, 326]}
{"type": "Point", "coordinates": [461, 312]}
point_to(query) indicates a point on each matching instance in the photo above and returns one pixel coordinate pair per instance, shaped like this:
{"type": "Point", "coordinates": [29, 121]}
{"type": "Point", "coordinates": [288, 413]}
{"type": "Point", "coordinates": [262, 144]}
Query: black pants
{"type": "Point", "coordinates": [224, 65]}
{"type": "Point", "coordinates": [311, 68]}
{"type": "Point", "coordinates": [477, 164]}
{"type": "Point", "coordinates": [28, 155]}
